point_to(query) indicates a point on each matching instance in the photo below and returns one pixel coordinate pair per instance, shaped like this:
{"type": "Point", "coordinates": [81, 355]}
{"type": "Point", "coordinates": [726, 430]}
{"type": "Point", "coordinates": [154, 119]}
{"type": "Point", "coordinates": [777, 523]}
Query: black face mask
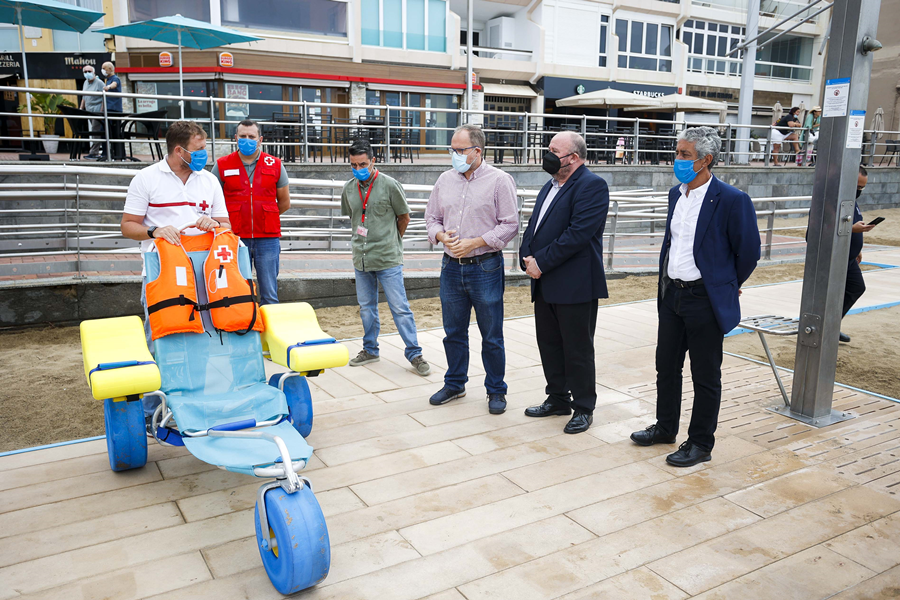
{"type": "Point", "coordinates": [858, 193]}
{"type": "Point", "coordinates": [552, 164]}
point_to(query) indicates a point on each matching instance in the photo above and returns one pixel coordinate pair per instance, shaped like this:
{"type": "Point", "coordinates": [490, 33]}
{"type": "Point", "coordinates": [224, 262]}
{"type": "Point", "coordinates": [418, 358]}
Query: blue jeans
{"type": "Point", "coordinates": [478, 285]}
{"type": "Point", "coordinates": [264, 258]}
{"type": "Point", "coordinates": [367, 295]}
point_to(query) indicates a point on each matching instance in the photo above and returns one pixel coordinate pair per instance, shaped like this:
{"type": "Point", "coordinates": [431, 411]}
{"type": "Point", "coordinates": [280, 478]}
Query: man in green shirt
{"type": "Point", "coordinates": [379, 215]}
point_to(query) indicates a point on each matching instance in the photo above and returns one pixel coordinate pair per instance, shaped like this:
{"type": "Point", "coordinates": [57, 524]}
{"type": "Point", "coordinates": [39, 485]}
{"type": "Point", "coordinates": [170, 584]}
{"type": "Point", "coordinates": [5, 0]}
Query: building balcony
{"type": "Point", "coordinates": [733, 67]}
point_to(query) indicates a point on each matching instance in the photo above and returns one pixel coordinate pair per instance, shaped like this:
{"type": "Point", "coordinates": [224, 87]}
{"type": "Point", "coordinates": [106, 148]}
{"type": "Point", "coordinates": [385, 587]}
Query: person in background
{"type": "Point", "coordinates": [813, 120]}
{"type": "Point", "coordinates": [855, 286]}
{"type": "Point", "coordinates": [710, 248]}
{"type": "Point", "coordinates": [379, 215]}
{"type": "Point", "coordinates": [562, 252]}
{"type": "Point", "coordinates": [783, 132]}
{"type": "Point", "coordinates": [473, 212]}
{"type": "Point", "coordinates": [113, 106]}
{"type": "Point", "coordinates": [93, 104]}
{"type": "Point", "coordinates": [256, 194]}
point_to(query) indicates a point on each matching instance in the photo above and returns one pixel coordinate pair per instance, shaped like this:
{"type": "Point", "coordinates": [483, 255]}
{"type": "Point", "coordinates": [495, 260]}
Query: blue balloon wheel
{"type": "Point", "coordinates": [299, 401]}
{"type": "Point", "coordinates": [126, 434]}
{"type": "Point", "coordinates": [300, 556]}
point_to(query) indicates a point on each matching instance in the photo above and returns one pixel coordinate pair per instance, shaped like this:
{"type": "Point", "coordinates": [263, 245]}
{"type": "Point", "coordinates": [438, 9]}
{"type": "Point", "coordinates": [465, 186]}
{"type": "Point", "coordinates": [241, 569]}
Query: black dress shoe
{"type": "Point", "coordinates": [547, 409]}
{"type": "Point", "coordinates": [651, 435]}
{"type": "Point", "coordinates": [580, 422]}
{"type": "Point", "coordinates": [844, 338]}
{"type": "Point", "coordinates": [688, 455]}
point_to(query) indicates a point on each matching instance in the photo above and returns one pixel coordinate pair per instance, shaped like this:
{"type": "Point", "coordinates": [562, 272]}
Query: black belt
{"type": "Point", "coordinates": [475, 259]}
{"type": "Point", "coordinates": [686, 284]}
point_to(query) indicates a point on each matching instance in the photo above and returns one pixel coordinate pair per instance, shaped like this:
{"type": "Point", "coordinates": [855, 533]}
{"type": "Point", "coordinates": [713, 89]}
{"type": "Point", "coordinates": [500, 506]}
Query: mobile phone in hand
{"type": "Point", "coordinates": [876, 221]}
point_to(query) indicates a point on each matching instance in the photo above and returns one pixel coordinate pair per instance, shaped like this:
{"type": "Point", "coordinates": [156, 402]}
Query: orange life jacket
{"type": "Point", "coordinates": [172, 297]}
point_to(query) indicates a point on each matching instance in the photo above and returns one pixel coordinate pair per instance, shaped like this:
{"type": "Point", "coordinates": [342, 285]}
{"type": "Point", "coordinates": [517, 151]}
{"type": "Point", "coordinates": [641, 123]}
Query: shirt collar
{"type": "Point", "coordinates": [556, 184]}
{"type": "Point", "coordinates": [165, 168]}
{"type": "Point", "coordinates": [700, 192]}
{"type": "Point", "coordinates": [477, 172]}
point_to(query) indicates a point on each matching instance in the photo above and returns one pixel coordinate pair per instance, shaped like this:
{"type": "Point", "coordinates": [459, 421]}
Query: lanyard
{"type": "Point", "coordinates": [366, 201]}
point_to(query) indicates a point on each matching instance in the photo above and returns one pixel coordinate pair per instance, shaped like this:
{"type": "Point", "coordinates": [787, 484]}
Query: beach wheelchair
{"type": "Point", "coordinates": [215, 401]}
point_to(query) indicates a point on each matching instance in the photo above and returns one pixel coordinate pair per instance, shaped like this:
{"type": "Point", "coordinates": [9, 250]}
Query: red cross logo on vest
{"type": "Point", "coordinates": [224, 254]}
{"type": "Point", "coordinates": [269, 161]}
{"type": "Point", "coordinates": [204, 206]}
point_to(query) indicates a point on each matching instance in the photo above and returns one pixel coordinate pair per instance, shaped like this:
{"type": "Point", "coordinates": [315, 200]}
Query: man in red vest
{"type": "Point", "coordinates": [256, 193]}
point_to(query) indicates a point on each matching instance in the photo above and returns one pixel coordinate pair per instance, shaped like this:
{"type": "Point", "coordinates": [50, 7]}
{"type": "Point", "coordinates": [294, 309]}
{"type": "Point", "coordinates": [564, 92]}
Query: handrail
{"type": "Point", "coordinates": [313, 225]}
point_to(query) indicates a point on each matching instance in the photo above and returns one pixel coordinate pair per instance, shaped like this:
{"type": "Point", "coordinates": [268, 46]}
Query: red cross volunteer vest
{"type": "Point", "coordinates": [252, 207]}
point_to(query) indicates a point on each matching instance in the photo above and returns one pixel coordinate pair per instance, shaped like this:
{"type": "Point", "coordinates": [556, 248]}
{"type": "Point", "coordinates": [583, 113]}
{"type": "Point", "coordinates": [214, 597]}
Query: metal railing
{"type": "Point", "coordinates": [307, 131]}
{"type": "Point", "coordinates": [70, 215]}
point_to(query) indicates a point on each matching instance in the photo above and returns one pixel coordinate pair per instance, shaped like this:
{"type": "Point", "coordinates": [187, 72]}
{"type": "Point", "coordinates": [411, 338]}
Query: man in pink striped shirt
{"type": "Point", "coordinates": [473, 212]}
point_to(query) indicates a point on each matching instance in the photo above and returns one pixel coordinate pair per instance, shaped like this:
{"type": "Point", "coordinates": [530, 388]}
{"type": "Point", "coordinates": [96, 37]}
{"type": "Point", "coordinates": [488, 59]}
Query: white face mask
{"type": "Point", "coordinates": [103, 72]}
{"type": "Point", "coordinates": [89, 75]}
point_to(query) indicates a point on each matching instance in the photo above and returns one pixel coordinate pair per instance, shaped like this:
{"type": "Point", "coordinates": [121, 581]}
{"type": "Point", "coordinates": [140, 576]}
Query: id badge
{"type": "Point", "coordinates": [362, 231]}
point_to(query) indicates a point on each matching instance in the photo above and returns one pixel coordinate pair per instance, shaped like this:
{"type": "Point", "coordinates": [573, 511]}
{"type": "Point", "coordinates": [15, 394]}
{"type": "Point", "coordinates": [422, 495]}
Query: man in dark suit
{"type": "Point", "coordinates": [710, 248]}
{"type": "Point", "coordinates": [562, 251]}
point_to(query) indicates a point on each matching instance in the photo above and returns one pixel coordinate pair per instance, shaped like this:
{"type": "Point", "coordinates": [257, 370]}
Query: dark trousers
{"type": "Point", "coordinates": [855, 287]}
{"type": "Point", "coordinates": [687, 324]}
{"type": "Point", "coordinates": [565, 337]}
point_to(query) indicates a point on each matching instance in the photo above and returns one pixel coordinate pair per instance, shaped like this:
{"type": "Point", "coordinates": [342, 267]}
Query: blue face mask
{"type": "Point", "coordinates": [684, 170]}
{"type": "Point", "coordinates": [361, 174]}
{"type": "Point", "coordinates": [459, 162]}
{"type": "Point", "coordinates": [247, 146]}
{"type": "Point", "coordinates": [89, 76]}
{"type": "Point", "coordinates": [198, 159]}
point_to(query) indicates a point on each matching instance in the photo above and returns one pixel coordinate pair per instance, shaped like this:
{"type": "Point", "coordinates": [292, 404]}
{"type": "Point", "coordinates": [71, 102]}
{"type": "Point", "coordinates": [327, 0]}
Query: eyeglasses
{"type": "Point", "coordinates": [459, 151]}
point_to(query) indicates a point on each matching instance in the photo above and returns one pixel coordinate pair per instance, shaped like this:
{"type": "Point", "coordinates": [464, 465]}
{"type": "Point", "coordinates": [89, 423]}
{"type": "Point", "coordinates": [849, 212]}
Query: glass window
{"type": "Point", "coordinates": [644, 64]}
{"type": "Point", "coordinates": [723, 28]}
{"type": "Point", "coordinates": [604, 19]}
{"type": "Point", "coordinates": [392, 23]}
{"type": "Point", "coordinates": [437, 25]}
{"type": "Point", "coordinates": [623, 61]}
{"type": "Point", "coordinates": [688, 38]}
{"type": "Point", "coordinates": [322, 17]}
{"type": "Point", "coordinates": [637, 37]}
{"type": "Point", "coordinates": [652, 35]}
{"type": "Point", "coordinates": [144, 10]}
{"type": "Point", "coordinates": [370, 28]}
{"type": "Point", "coordinates": [699, 24]}
{"type": "Point", "coordinates": [665, 40]}
{"type": "Point", "coordinates": [723, 46]}
{"type": "Point", "coordinates": [711, 45]}
{"type": "Point", "coordinates": [70, 41]}
{"type": "Point", "coordinates": [437, 139]}
{"type": "Point", "coordinates": [689, 23]}
{"type": "Point", "coordinates": [698, 43]}
{"type": "Point", "coordinates": [415, 25]}
{"type": "Point", "coordinates": [622, 34]}
{"type": "Point", "coordinates": [735, 30]}
{"type": "Point", "coordinates": [665, 66]}
{"type": "Point", "coordinates": [195, 110]}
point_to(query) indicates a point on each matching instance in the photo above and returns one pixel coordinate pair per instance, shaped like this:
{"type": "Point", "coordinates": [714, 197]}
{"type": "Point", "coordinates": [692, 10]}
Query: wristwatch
{"type": "Point", "coordinates": [151, 230]}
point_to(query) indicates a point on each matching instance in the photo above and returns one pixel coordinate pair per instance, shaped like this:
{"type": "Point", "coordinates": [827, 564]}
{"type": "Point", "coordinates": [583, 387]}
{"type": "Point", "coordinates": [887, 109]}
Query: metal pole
{"type": "Point", "coordinates": [212, 126]}
{"type": "Point", "coordinates": [470, 33]}
{"type": "Point", "coordinates": [768, 153]}
{"type": "Point", "coordinates": [637, 129]}
{"type": "Point", "coordinates": [77, 226]}
{"type": "Point", "coordinates": [831, 217]}
{"type": "Point", "coordinates": [770, 230]}
{"type": "Point", "coordinates": [387, 134]}
{"type": "Point", "coordinates": [727, 145]}
{"type": "Point", "coordinates": [106, 129]}
{"type": "Point", "coordinates": [745, 100]}
{"type": "Point", "coordinates": [25, 69]}
{"type": "Point", "coordinates": [614, 219]}
{"type": "Point", "coordinates": [305, 113]}
{"type": "Point", "coordinates": [180, 76]}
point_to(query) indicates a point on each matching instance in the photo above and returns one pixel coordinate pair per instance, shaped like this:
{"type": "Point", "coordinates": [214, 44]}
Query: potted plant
{"type": "Point", "coordinates": [47, 104]}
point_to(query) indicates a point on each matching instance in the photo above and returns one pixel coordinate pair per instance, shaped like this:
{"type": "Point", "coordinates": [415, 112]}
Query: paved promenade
{"type": "Point", "coordinates": [452, 503]}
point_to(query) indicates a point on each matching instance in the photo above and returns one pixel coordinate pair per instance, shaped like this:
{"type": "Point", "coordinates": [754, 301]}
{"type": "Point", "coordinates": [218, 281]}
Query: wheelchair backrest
{"type": "Point", "coordinates": [209, 363]}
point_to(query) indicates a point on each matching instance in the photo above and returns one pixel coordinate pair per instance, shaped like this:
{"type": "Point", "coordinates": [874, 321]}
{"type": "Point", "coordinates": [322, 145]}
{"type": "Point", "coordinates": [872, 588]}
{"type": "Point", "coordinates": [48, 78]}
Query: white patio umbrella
{"type": "Point", "coordinates": [608, 98]}
{"type": "Point", "coordinates": [878, 123]}
{"type": "Point", "coordinates": [682, 103]}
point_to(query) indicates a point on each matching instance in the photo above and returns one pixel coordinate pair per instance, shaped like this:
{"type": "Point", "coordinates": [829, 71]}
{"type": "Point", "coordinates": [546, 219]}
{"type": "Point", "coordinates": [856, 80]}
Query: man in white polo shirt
{"type": "Point", "coordinates": [175, 191]}
{"type": "Point", "coordinates": [170, 194]}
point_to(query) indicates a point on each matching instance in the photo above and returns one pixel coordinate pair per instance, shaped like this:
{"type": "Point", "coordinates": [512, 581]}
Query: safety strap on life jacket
{"type": "Point", "coordinates": [232, 304]}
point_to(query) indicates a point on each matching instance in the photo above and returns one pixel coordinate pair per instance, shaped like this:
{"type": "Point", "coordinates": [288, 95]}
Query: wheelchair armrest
{"type": "Point", "coordinates": [295, 340]}
{"type": "Point", "coordinates": [116, 360]}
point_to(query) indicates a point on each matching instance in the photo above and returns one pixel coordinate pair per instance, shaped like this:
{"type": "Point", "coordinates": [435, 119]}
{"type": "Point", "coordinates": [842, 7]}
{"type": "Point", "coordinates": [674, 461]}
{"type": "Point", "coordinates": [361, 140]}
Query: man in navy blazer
{"type": "Point", "coordinates": [710, 248]}
{"type": "Point", "coordinates": [562, 250]}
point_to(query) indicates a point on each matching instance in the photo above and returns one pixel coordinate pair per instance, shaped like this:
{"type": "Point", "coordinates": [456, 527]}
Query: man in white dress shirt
{"type": "Point", "coordinates": [711, 247]}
